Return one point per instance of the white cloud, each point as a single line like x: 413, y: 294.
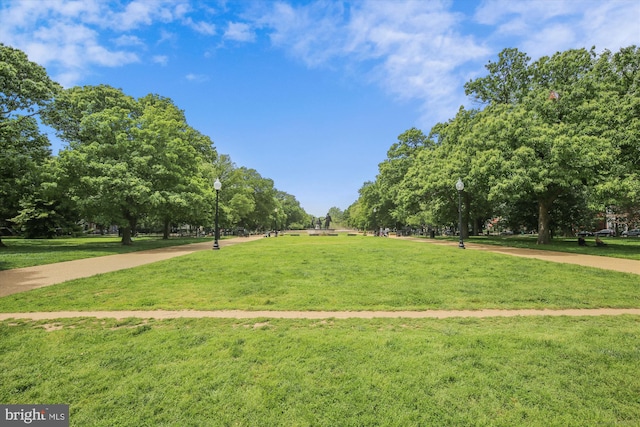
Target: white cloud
x: 240, y: 32
x: 201, y: 27
x: 197, y: 78
x: 160, y: 59
x: 549, y: 40
x: 418, y: 50
x: 545, y: 27
x: 67, y: 36
x: 611, y: 25
x: 128, y: 40
x: 144, y: 13
x: 167, y: 36
x: 412, y: 49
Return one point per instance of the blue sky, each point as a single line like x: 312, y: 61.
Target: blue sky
x: 311, y: 94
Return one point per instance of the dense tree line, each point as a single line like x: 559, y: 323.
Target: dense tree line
x: 126, y: 161
x: 552, y: 144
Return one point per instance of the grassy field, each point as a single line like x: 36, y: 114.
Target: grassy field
x: 338, y: 273
x: 207, y: 372
x: 534, y: 371
x: 29, y: 252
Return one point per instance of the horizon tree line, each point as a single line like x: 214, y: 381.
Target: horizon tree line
x: 552, y: 145
x: 125, y: 161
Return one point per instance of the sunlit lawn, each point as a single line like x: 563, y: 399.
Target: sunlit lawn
x: 339, y: 273
x: 534, y: 371
x: 539, y: 371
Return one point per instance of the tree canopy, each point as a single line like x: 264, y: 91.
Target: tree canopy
x: 555, y: 140
x: 25, y: 88
x: 125, y: 161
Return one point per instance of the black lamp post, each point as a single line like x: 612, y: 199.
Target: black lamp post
x: 460, y: 187
x: 217, y: 186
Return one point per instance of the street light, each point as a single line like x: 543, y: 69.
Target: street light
x: 217, y: 186
x: 460, y: 187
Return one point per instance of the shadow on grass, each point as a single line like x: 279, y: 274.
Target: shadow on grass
x: 20, y: 253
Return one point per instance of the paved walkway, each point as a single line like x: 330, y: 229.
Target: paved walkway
x: 23, y: 279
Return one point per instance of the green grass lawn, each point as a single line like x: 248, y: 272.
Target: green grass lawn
x: 540, y: 371
x: 338, y: 273
x: 29, y: 252
x: 534, y: 371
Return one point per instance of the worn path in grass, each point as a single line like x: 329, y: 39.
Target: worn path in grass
x: 605, y: 263
x: 239, y: 314
x: 23, y: 279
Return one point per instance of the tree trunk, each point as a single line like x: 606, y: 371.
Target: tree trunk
x: 477, y: 226
x: 544, y: 234
x: 126, y: 236
x: 165, y: 230
x: 128, y: 230
x: 2, y: 245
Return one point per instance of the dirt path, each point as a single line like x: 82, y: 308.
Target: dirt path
x: 24, y: 279
x: 238, y: 314
x: 605, y: 263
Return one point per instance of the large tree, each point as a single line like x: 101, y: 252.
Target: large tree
x: 619, y: 102
x: 129, y: 159
x: 25, y: 88
x: 180, y: 185
x: 551, y: 142
x: 400, y: 157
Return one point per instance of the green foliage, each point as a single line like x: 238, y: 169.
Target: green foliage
x: 556, y: 140
x: 127, y: 161
x: 24, y: 88
x: 131, y: 159
x: 508, y: 81
x: 38, y: 218
x: 290, y: 213
x: 24, y: 85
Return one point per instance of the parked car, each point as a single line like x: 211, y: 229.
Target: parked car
x: 585, y: 233
x: 631, y: 233
x: 605, y: 233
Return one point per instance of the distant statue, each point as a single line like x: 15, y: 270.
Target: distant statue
x: 327, y: 221
x: 318, y: 224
